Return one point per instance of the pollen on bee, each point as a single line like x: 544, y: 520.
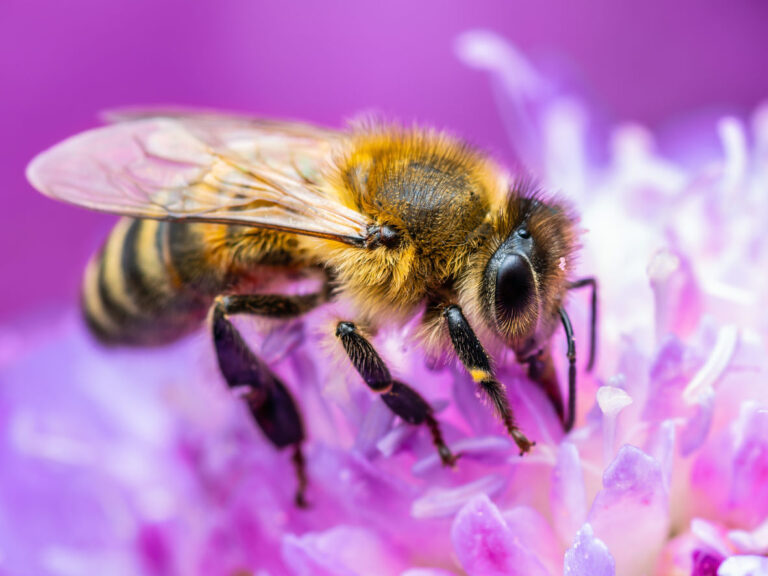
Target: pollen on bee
x: 478, y: 374
x: 561, y: 264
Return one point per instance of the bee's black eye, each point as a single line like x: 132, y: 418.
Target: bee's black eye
x: 523, y: 233
x: 515, y: 285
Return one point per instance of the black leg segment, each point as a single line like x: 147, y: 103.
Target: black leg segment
x: 270, y: 305
x: 571, y: 369
x: 268, y: 399
x: 364, y: 358
x: 476, y: 361
x: 403, y: 400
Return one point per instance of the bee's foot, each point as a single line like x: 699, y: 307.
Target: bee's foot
x: 447, y: 457
x: 300, y: 500
x: 522, y: 442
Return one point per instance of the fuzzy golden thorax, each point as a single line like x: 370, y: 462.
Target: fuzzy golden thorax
x: 434, y: 192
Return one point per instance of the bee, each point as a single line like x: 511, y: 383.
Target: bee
x: 396, y: 221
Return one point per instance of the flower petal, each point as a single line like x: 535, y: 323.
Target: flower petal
x: 340, y: 551
x: 744, y: 566
x: 568, y: 499
x: 445, y: 501
x: 729, y: 478
x: 588, y: 556
x: 427, y: 572
x: 486, y: 546
x: 633, y: 502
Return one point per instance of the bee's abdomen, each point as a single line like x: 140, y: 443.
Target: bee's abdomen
x: 133, y: 293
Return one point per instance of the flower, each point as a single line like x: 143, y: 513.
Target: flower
x: 140, y: 461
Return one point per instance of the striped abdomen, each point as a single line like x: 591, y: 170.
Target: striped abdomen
x: 153, y: 281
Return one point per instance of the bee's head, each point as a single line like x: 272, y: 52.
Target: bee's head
x: 520, y: 274
x: 511, y: 283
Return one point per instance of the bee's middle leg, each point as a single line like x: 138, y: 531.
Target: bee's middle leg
x: 403, y: 400
x: 268, y: 399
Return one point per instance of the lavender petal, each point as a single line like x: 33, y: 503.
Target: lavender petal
x: 633, y: 500
x: 568, y: 500
x: 588, y: 556
x: 744, y: 566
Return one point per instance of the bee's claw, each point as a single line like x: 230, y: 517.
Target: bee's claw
x: 522, y: 442
x: 300, y: 500
x: 447, y: 457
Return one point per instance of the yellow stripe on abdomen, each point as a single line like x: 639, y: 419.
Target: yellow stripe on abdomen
x: 113, y: 282
x: 131, y: 295
x: 97, y: 318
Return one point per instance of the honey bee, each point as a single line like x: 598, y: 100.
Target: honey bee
x: 398, y: 221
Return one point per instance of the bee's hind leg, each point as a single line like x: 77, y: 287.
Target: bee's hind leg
x: 268, y: 399
x: 403, y: 400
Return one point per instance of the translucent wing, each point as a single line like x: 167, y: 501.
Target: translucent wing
x: 203, y: 167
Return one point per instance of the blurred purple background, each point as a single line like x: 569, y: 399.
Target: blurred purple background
x: 63, y: 62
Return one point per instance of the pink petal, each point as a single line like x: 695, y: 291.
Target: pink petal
x: 730, y: 477
x: 340, y: 551
x: 439, y: 502
x: 485, y: 546
x: 375, y: 425
x: 567, y: 493
x: 630, y: 513
x: 535, y: 534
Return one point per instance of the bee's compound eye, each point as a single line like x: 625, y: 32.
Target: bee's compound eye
x: 514, y: 285
x: 523, y: 233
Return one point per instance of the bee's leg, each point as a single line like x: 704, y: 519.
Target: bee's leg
x: 475, y: 360
x: 268, y: 399
x: 403, y: 400
x: 269, y: 305
x: 541, y: 369
x: 592, y: 283
x: 568, y: 424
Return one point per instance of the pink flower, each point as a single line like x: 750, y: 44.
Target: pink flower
x: 140, y: 462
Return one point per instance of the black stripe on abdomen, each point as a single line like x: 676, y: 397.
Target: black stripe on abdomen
x: 137, y: 298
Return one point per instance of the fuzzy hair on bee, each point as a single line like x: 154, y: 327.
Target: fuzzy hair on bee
x: 394, y: 220
x: 431, y: 192
x: 550, y: 226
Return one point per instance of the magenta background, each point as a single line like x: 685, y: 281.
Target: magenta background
x: 63, y: 61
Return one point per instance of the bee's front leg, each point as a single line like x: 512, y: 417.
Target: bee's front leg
x: 476, y: 361
x: 541, y: 369
x: 403, y: 400
x: 268, y: 399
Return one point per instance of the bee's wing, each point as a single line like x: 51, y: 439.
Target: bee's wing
x: 204, y: 167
